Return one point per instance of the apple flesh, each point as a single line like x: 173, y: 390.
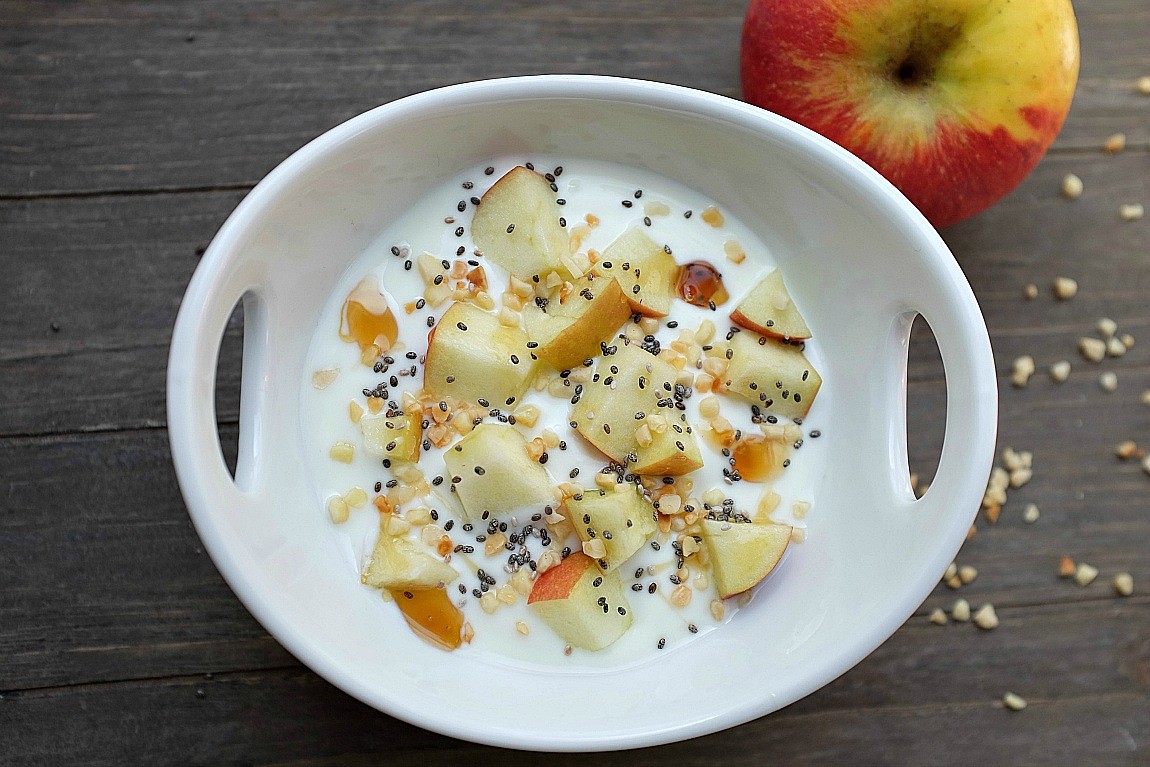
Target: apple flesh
x: 492, y: 472
x: 954, y: 101
x: 399, y: 564
x: 472, y: 357
x: 768, y: 309
x: 516, y: 225
x: 776, y: 376
x: 628, y: 383
x: 571, y: 331
x: 648, y: 273
x: 743, y: 553
x: 395, y: 437
x: 623, y: 520
x: 567, y: 598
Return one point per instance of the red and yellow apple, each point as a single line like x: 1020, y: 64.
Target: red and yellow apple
x: 953, y: 101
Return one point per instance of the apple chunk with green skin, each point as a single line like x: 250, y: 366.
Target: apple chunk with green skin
x: 628, y: 386
x: 768, y: 309
x: 648, y: 274
x: 516, y: 225
x: 774, y: 375
x: 954, y: 101
x: 623, y: 520
x: 403, y: 565
x: 584, y: 606
x: 472, y: 357
x: 743, y: 553
x: 492, y: 472
x: 572, y: 331
x: 395, y: 437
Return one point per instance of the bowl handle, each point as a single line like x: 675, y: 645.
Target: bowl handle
x: 193, y: 359
x: 971, y: 413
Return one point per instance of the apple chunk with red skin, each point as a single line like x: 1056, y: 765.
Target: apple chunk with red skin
x: 743, y: 553
x: 571, y: 331
x: 953, y: 101
x: 567, y: 598
x: 768, y: 309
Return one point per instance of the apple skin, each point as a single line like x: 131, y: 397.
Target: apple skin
x: 953, y: 101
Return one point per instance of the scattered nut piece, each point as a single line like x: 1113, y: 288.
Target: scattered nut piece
x: 1115, y: 347
x: 1030, y: 514
x: 1066, y: 567
x: 985, y: 618
x: 954, y: 583
x: 1107, y: 327
x: 1144, y: 398
x: 1071, y: 186
x: 1143, y: 86
x: 1085, y: 574
x: 967, y: 574
x: 355, y: 498
x: 1124, y: 584
x: 712, y: 216
x: 1146, y: 464
x: 938, y: 617
x: 951, y: 571
x: 960, y: 610
x: 1115, y: 143
x: 1126, y: 450
x: 337, y: 509
x: 344, y: 452
x: 1013, y: 702
x: 718, y: 609
x: 522, y: 628
x: 1093, y: 349
x: 1060, y: 371
x: 321, y: 379
x: 1022, y: 370
x: 1131, y: 211
x: 1020, y: 477
x: 1065, y: 288
x: 1127, y: 340
x: 1108, y: 381
x: 1030, y: 292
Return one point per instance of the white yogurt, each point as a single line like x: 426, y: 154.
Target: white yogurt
x: 589, y: 187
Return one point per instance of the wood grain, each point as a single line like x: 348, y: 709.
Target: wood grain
x: 172, y: 95
x: 927, y: 692
x: 128, y: 133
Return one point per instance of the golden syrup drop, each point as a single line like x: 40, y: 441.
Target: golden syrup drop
x: 758, y: 459
x: 700, y: 284
x: 432, y: 616
x: 366, y: 318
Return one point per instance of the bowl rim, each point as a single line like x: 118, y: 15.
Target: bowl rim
x: 936, y: 258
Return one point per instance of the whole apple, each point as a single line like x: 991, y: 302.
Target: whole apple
x: 953, y: 101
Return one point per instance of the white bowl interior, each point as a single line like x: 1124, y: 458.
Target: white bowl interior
x: 857, y: 258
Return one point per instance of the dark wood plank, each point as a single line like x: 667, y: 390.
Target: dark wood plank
x: 106, y: 579
x: 67, y: 258
x: 929, y: 696
x: 212, y: 94
x: 104, y: 575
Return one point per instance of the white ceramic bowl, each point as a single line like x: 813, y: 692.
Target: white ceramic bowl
x: 861, y: 262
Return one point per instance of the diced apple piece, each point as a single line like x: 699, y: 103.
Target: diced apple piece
x: 493, y: 473
x: 571, y: 331
x: 584, y: 606
x: 743, y: 553
x: 471, y: 356
x: 517, y: 225
x: 393, y: 437
x: 400, y: 564
x: 768, y: 309
x: 622, y: 520
x: 630, y: 385
x: 773, y: 375
x: 648, y: 273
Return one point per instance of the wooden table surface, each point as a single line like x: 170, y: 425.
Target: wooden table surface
x: 129, y: 131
